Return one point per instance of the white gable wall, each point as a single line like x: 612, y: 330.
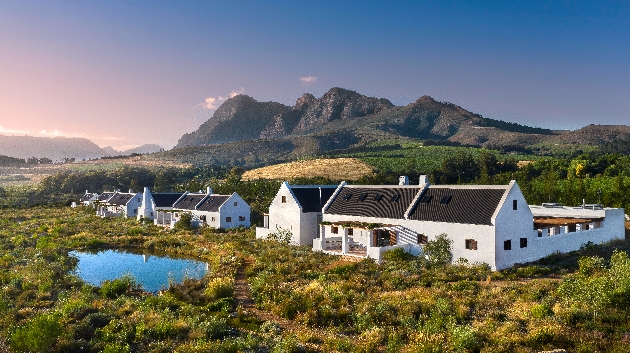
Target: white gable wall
x: 513, y: 225
x: 228, y: 209
x: 287, y: 215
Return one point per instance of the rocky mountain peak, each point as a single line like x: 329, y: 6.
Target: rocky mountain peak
x: 304, y: 101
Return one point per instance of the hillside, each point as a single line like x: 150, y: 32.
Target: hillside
x: 55, y: 148
x: 334, y: 169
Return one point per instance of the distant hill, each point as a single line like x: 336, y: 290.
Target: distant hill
x: 55, y: 148
x: 334, y: 169
x: 58, y: 148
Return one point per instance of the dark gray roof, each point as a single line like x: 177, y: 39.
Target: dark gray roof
x: 309, y: 197
x: 373, y: 201
x: 121, y: 199
x: 213, y: 202
x: 458, y: 205
x: 87, y: 197
x: 166, y: 199
x: 189, y: 201
x: 105, y: 196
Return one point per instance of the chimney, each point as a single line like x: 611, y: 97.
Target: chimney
x: 209, y: 190
x: 130, y: 191
x: 403, y: 180
x: 424, y: 180
x: 86, y: 192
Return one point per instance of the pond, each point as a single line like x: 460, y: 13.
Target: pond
x: 152, y: 272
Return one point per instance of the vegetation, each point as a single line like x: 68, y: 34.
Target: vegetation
x: 312, y: 301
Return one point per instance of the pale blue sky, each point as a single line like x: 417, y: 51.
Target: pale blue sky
x: 124, y: 73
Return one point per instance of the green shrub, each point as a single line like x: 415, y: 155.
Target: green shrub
x: 397, y: 255
x: 185, y: 222
x: 221, y: 287
x: 464, y: 338
x: 215, y: 328
x: 540, y: 311
x: 38, y: 335
x: 117, y: 348
x: 438, y: 252
x: 119, y: 286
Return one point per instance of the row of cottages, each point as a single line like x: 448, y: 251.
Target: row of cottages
x: 118, y: 204
x: 165, y: 209
x: 487, y: 223
x: 206, y: 209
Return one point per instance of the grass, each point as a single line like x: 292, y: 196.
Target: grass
x: 400, y: 306
x: 334, y: 169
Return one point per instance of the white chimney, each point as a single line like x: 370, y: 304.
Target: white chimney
x: 403, y: 180
x: 424, y: 180
x: 209, y: 190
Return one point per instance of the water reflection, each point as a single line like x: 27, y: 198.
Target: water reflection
x: 152, y: 272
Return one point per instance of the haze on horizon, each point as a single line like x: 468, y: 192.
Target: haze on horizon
x: 126, y: 73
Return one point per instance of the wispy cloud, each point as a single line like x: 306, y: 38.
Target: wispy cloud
x: 6, y: 131
x: 212, y: 103
x: 307, y: 80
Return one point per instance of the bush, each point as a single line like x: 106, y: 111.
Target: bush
x: 215, y: 328
x: 185, y: 222
x: 541, y: 311
x: 221, y: 287
x: 438, y: 252
x: 119, y: 286
x: 38, y: 335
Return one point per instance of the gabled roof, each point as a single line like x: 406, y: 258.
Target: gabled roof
x: 189, y: 201
x: 456, y: 204
x: 105, y: 196
x: 311, y: 198
x: 121, y: 198
x: 88, y: 197
x: 213, y: 202
x: 166, y: 199
x: 374, y: 201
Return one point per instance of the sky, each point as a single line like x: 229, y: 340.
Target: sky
x: 127, y: 73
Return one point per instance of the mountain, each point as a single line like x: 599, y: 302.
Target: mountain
x: 343, y: 111
x: 55, y: 148
x: 244, y: 131
x: 144, y: 149
x: 110, y: 151
x: 243, y: 118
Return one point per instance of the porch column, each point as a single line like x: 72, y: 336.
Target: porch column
x: 344, y: 241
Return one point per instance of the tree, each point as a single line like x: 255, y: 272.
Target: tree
x: 185, y: 222
x: 281, y: 235
x: 460, y: 168
x: 438, y: 252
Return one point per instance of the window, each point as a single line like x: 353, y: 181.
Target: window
x: 334, y: 230
x: 514, y: 205
x: 362, y: 197
x: 228, y: 219
x: 350, y: 231
x: 135, y: 211
x: 241, y: 218
x: 394, y: 198
x: 378, y: 197
x: 507, y: 245
x: 284, y: 199
x: 426, y: 199
x: 540, y: 233
x: 347, y: 197
x: 445, y: 200
x: 213, y: 219
x: 235, y: 203
x: 585, y: 226
x: 202, y: 218
x: 523, y: 243
x: 471, y: 244
x: 571, y: 228
x: 422, y: 239
x: 138, y: 199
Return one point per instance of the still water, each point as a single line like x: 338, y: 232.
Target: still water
x: 152, y: 272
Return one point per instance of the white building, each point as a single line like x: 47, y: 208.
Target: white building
x: 208, y: 209
x: 114, y: 204
x: 298, y: 209
x: 159, y: 201
x: 487, y: 223
x: 88, y: 198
